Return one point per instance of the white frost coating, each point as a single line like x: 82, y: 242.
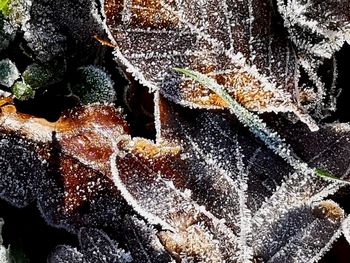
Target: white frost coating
x: 311, y: 70
x: 346, y: 228
x: 5, y: 93
x: 225, y: 174
x: 334, y: 91
x: 126, y: 12
x: 217, y: 222
x: 326, y: 247
x: 295, y: 14
x: 157, y: 121
x: 30, y: 128
x: 267, y: 83
x: 331, y: 188
x: 4, y: 255
x: 302, y: 250
x: 20, y: 13
x: 340, y: 127
x: 244, y: 244
x: 135, y: 72
x: 149, y: 217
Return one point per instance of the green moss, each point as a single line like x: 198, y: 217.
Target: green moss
x: 4, y: 7
x: 22, y: 91
x: 94, y: 85
x: 38, y: 76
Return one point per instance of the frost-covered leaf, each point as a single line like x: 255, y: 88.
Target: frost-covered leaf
x: 240, y: 44
x: 77, y: 195
x: 269, y: 185
x: 98, y: 247
x: 66, y: 254
x: 205, y: 190
x: 143, y: 242
x: 317, y: 27
x: 208, y: 191
x: 95, y: 247
x: 19, y: 165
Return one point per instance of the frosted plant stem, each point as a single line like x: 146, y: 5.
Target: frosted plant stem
x: 270, y: 138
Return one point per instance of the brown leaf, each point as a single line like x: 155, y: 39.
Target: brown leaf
x: 239, y: 44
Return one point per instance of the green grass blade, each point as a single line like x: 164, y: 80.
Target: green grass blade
x: 4, y: 7
x: 270, y: 138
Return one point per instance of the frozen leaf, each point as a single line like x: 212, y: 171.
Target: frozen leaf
x: 239, y: 44
x: 52, y: 29
x: 208, y: 191
x: 277, y: 204
x: 98, y: 247
x: 77, y: 195
x: 95, y: 247
x: 66, y: 254
x: 143, y: 242
x: 317, y: 27
x: 302, y: 234
x: 19, y: 165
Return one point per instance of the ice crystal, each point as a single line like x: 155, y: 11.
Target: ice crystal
x: 317, y: 27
